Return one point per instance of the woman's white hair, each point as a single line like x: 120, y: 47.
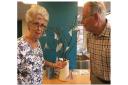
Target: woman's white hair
x: 34, y: 10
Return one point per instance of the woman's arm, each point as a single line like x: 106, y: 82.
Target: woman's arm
x: 58, y: 64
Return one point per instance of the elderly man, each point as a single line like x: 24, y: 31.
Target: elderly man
x: 98, y: 41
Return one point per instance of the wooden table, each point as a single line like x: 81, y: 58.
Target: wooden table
x: 79, y: 77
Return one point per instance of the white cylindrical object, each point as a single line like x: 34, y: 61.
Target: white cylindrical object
x: 64, y: 73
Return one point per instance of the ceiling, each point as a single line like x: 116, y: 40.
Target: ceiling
x: 21, y: 10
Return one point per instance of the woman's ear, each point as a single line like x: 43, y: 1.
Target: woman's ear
x: 28, y: 26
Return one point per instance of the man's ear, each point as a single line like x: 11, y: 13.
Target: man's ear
x: 96, y: 16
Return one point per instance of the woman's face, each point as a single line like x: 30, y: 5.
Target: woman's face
x: 37, y: 26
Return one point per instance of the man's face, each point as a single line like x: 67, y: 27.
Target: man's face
x: 88, y: 19
x: 37, y: 26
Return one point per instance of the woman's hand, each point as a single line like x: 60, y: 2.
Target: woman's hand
x: 60, y: 64
x: 57, y: 65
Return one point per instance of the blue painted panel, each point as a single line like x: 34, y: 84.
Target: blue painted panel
x: 62, y: 19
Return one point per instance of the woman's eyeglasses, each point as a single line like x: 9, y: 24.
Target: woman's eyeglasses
x: 38, y: 25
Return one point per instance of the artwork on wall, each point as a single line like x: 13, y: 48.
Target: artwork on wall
x: 60, y: 39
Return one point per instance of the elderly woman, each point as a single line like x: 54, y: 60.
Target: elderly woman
x: 29, y: 53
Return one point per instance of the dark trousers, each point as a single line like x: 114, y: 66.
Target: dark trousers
x: 95, y: 80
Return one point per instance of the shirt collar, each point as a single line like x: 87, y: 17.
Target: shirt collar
x: 106, y: 31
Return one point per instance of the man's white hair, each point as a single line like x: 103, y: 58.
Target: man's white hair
x: 97, y: 7
x: 34, y: 10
